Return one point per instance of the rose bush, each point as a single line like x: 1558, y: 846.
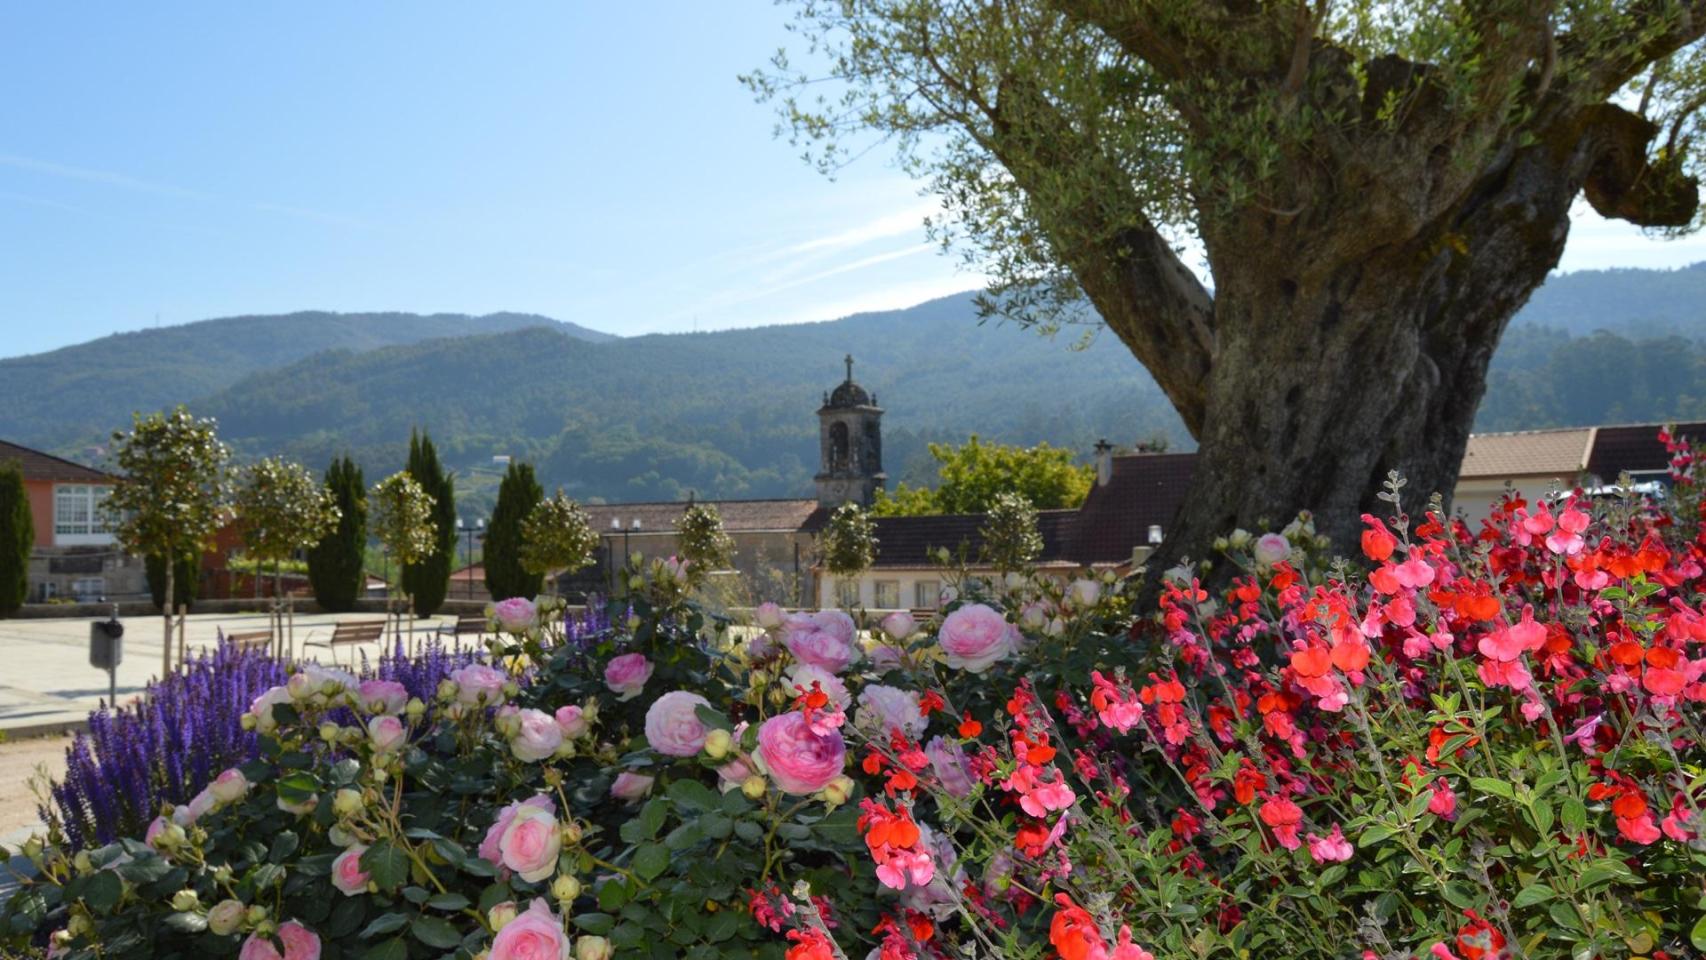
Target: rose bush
x: 1463, y: 745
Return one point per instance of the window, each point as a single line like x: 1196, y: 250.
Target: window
x: 847, y: 593
x: 926, y: 594
x: 89, y: 589
x: 888, y: 594
x: 77, y: 514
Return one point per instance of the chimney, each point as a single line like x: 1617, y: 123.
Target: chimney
x: 1104, y: 462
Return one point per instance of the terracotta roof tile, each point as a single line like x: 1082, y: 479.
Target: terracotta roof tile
x: 45, y: 466
x: 1551, y: 453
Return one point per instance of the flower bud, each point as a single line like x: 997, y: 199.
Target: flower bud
x: 225, y: 917
x: 82, y: 863
x: 634, y: 621
x: 247, y: 721
x: 185, y: 900
x: 778, y: 696
x: 717, y: 744
x: 571, y: 833
x: 329, y: 732
x: 222, y: 873
x: 347, y: 802
x: 753, y: 787
x: 299, y: 686
x: 447, y: 689
x: 592, y: 948
x: 415, y: 708
x: 565, y: 888
x: 501, y: 914
x: 838, y: 790
x: 80, y: 925
x: 256, y: 914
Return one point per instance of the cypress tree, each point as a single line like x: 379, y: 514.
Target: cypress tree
x: 186, y: 579
x: 17, y: 539
x: 429, y: 581
x: 517, y: 496
x: 336, y: 565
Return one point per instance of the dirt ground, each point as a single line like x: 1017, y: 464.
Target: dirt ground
x: 19, y: 760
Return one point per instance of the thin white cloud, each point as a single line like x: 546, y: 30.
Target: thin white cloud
x: 89, y: 175
x: 37, y: 201
x: 897, y: 224
x: 318, y: 216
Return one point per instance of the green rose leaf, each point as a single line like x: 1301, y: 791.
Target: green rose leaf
x: 387, y: 864
x: 448, y: 901
x: 103, y: 890
x: 651, y: 860
x: 385, y: 923
x: 187, y: 922
x: 392, y: 949
x: 1697, y: 936
x: 435, y: 932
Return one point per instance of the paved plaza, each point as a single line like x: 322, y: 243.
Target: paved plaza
x: 46, y: 682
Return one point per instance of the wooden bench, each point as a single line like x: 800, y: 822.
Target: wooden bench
x: 350, y: 633
x: 250, y: 641
x: 468, y: 624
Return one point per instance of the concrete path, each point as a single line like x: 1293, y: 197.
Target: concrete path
x: 47, y: 685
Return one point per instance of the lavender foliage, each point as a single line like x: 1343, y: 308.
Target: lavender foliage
x: 186, y: 729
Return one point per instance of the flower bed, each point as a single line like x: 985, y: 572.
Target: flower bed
x: 1488, y: 745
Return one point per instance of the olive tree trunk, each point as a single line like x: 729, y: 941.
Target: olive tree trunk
x: 1335, y: 351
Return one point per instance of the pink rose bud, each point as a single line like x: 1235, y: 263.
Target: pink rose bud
x: 347, y: 874
x: 572, y: 721
x: 387, y: 733
x: 631, y: 786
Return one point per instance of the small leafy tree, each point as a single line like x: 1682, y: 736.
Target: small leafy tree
x: 848, y: 544
x: 1010, y: 536
x: 703, y: 542
x: 972, y: 475
x: 173, y: 493
x: 283, y: 510
x: 428, y: 581
x: 518, y: 494
x: 337, y: 563
x: 17, y: 539
x: 557, y: 534
x: 402, y: 519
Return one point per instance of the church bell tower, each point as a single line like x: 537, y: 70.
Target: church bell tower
x: 850, y: 435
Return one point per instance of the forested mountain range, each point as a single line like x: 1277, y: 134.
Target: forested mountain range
x: 732, y: 413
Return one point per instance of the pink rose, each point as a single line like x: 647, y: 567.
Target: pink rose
x: 383, y: 696
x: 261, y: 708
x: 386, y: 733
x: 823, y: 639
x: 626, y: 675
x: 531, y: 842
x: 1271, y: 548
x: 975, y: 636
x: 534, y: 935
x: 156, y: 830
x: 230, y: 786
x: 537, y: 736
x: 899, y: 625
x: 631, y: 786
x: 347, y: 874
x: 300, y: 943
x: 769, y: 616
x: 478, y: 685
x: 800, y: 761
x: 572, y: 722
x: 515, y: 615
x: 490, y: 850
x: 883, y: 708
x: 198, y: 807
x: 673, y: 727
x: 801, y: 676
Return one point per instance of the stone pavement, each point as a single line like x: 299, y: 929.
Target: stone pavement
x: 46, y: 683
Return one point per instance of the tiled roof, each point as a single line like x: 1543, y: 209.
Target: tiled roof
x: 45, y: 466
x: 1635, y: 448
x: 739, y: 516
x: 909, y: 542
x: 1143, y: 490
x: 1549, y: 453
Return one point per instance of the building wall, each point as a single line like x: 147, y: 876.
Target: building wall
x: 1474, y: 497
x: 40, y: 493
x: 906, y: 584
x: 773, y: 565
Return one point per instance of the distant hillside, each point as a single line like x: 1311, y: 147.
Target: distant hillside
x: 726, y: 414
x: 1641, y: 303
x: 76, y: 395
x: 732, y: 413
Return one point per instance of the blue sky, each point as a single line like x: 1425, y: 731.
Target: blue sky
x: 593, y: 162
